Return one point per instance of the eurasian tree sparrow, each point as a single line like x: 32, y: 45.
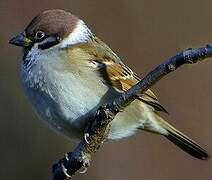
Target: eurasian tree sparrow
x: 67, y: 73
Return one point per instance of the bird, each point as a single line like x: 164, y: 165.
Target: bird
x: 67, y: 73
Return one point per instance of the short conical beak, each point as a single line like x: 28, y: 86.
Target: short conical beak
x: 20, y: 40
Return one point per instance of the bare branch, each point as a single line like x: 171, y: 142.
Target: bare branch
x: 100, y: 124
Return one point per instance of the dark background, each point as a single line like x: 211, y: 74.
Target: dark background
x: 143, y: 33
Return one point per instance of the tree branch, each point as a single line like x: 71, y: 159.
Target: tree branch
x: 99, y: 126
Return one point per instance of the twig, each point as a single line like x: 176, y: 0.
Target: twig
x: 99, y: 125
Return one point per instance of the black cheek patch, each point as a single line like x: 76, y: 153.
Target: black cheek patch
x: 49, y: 42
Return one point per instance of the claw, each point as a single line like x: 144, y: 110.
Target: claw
x: 86, y: 135
x: 65, y: 171
x: 66, y: 157
x: 84, y: 170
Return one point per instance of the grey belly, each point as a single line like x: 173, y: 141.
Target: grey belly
x: 67, y: 113
x: 124, y: 124
x: 50, y: 112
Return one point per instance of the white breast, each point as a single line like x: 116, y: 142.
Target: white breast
x: 66, y: 100
x: 61, y: 98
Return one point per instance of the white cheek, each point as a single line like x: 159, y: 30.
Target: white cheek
x: 80, y: 34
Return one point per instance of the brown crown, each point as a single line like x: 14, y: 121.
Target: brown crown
x: 53, y: 22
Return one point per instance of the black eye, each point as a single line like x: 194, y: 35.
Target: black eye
x: 39, y: 35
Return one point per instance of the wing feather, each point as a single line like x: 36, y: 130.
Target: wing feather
x: 120, y: 76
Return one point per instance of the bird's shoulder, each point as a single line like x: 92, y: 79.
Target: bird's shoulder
x: 114, y: 72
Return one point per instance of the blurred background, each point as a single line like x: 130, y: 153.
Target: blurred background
x: 143, y: 33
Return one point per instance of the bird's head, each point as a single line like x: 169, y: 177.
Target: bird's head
x: 53, y: 28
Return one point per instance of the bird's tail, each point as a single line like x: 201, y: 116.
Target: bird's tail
x: 181, y: 140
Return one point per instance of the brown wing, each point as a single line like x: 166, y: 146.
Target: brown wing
x: 115, y: 73
x: 123, y: 78
x: 118, y: 75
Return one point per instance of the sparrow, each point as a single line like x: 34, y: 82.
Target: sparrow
x: 67, y: 73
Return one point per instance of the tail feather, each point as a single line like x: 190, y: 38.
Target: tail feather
x: 156, y: 124
x: 184, y: 142
x: 187, y: 145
